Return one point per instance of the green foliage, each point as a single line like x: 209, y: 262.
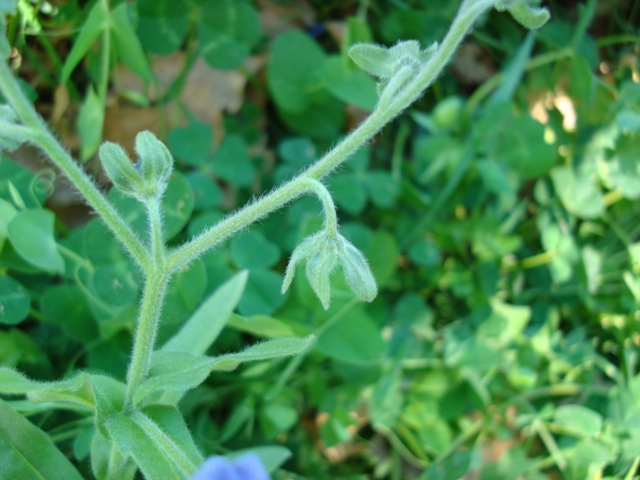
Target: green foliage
x: 501, y: 231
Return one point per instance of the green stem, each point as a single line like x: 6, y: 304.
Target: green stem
x: 146, y: 330
x: 155, y: 227
x: 42, y: 138
x: 384, y: 113
x: 328, y: 207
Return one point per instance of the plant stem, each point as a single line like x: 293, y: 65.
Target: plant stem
x: 384, y: 113
x: 155, y: 228
x: 42, y: 138
x: 146, y: 330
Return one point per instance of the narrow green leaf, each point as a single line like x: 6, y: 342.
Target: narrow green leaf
x: 128, y: 46
x: 175, y: 372
x: 75, y: 391
x: 261, y: 326
x: 280, y: 347
x: 26, y: 452
x: 31, y: 235
x: 132, y: 440
x: 97, y: 21
x: 170, y: 421
x: 204, y: 326
x: 89, y: 124
x: 180, y: 371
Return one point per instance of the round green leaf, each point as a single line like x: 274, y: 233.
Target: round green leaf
x: 348, y: 83
x: 233, y: 163
x: 162, y: 25
x: 31, y: 235
x: 67, y: 306
x: 252, y: 250
x: 262, y: 293
x: 191, y: 144
x: 7, y: 212
x: 206, y: 192
x: 292, y: 70
x: 117, y: 283
x: 227, y: 31
x: 14, y: 301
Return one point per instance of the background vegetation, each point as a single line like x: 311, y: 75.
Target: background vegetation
x: 500, y: 216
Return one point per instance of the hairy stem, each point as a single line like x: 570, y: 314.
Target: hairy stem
x: 155, y: 228
x: 384, y: 113
x: 147, y: 327
x: 42, y: 137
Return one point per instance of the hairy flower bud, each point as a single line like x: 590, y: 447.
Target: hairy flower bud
x: 145, y: 179
x: 322, y: 252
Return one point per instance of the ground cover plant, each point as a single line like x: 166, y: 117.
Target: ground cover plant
x: 474, y: 314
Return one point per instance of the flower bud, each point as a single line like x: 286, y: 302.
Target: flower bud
x: 120, y: 170
x: 145, y: 179
x: 357, y: 273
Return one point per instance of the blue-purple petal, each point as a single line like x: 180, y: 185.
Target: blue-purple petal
x: 247, y: 467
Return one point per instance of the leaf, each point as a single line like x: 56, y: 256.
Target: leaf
x: 260, y: 326
x: 233, y: 163
x: 184, y: 294
x: 162, y: 25
x: 373, y: 59
x: 192, y: 144
x: 176, y: 207
x: 281, y: 347
x: 97, y: 21
x: 127, y: 43
x: 227, y: 30
x: 109, y: 395
x: 251, y: 249
x: 207, y: 194
x: 67, y: 306
x: 175, y: 372
x: 262, y: 294
x: 7, y: 212
x: 27, y: 452
x: 355, y: 339
x: 75, y: 391
x: 578, y: 193
x: 15, y: 301
x: 348, y: 84
x: 580, y: 420
x: 170, y: 421
x: 203, y: 327
x: 89, y: 124
x: 31, y: 235
x: 382, y: 188
x: 292, y: 71
x: 157, y: 455
x: 180, y: 371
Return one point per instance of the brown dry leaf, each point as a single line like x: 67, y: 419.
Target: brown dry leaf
x: 61, y: 103
x: 472, y: 65
x: 122, y: 124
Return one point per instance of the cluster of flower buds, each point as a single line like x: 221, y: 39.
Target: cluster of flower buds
x: 394, y: 66
x: 145, y: 179
x: 324, y: 251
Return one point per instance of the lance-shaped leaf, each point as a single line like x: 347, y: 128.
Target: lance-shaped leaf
x: 75, y: 393
x: 181, y: 371
x: 528, y: 16
x: 27, y: 452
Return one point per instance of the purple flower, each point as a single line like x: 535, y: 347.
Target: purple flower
x: 247, y: 467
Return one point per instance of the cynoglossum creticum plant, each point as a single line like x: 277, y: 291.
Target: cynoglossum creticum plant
x: 131, y: 432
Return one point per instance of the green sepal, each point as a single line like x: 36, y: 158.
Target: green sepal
x: 528, y: 16
x: 146, y: 179
x: 156, y: 162
x: 120, y: 170
x: 357, y: 273
x: 373, y: 59
x: 322, y: 252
